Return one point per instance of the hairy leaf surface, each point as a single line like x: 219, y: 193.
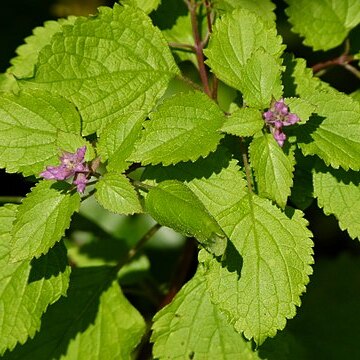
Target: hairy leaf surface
x: 236, y: 38
x: 23, y: 64
x: 324, y: 24
x: 26, y: 288
x: 244, y: 122
x: 117, y: 141
x: 33, y: 125
x: 115, y: 193
x: 184, y: 127
x: 107, y: 65
x: 273, y: 168
x: 338, y: 193
x: 173, y: 204
x: 192, y: 316
x: 42, y: 219
x: 95, y: 321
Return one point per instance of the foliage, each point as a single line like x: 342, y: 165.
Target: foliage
x: 200, y: 128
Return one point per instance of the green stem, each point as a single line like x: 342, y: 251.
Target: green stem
x: 141, y: 185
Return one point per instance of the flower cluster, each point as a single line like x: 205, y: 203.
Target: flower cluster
x: 278, y: 116
x: 71, y: 165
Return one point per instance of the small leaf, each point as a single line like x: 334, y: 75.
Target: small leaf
x: 324, y: 24
x: 338, y: 193
x: 193, y: 317
x: 107, y: 65
x: 244, y: 122
x: 183, y: 128
x: 94, y: 321
x: 235, y: 39
x: 117, y: 141
x: 273, y: 168
x: 32, y: 126
x: 115, y: 193
x: 23, y: 65
x: 173, y: 204
x: 259, y: 288
x: 42, y: 219
x: 26, y: 288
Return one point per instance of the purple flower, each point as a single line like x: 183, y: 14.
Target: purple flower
x: 72, y: 164
x: 278, y: 116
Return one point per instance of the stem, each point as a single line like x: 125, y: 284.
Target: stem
x: 11, y: 199
x: 352, y: 69
x: 342, y: 60
x: 190, y: 82
x: 91, y: 193
x: 198, y: 46
x: 182, y: 46
x: 246, y: 165
x: 134, y: 250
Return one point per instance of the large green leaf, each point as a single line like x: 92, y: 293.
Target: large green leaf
x: 259, y: 283
x: 241, y: 44
x: 117, y: 141
x: 26, y: 288
x: 23, y: 64
x: 173, y: 204
x: 42, y: 219
x: 33, y: 126
x: 260, y: 289
x: 192, y: 327
x: 184, y: 127
x: 338, y: 193
x: 273, y: 168
x: 107, y: 65
x: 115, y: 193
x: 263, y: 8
x: 95, y: 321
x: 324, y: 24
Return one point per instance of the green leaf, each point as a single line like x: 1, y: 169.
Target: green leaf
x: 173, y: 204
x: 117, y: 141
x: 184, y: 127
x: 324, y: 24
x: 33, y: 125
x: 26, y: 288
x: 115, y: 193
x: 145, y: 5
x: 8, y: 83
x: 244, y: 122
x: 338, y: 193
x: 107, y: 65
x: 334, y: 133
x: 261, y: 80
x: 273, y: 168
x: 42, y: 219
x: 23, y: 65
x: 94, y: 321
x: 263, y: 8
x: 259, y: 290
x: 192, y: 327
x: 235, y: 39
